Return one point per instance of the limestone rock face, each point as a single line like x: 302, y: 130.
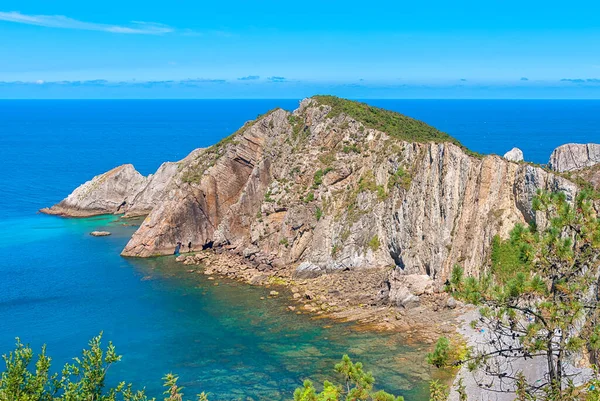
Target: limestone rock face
x: 574, y: 156
x: 122, y: 190
x: 216, y: 194
x: 316, y: 190
x: 514, y: 155
x: 153, y: 190
x: 103, y: 194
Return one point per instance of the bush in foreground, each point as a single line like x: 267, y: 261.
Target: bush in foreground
x: 84, y: 380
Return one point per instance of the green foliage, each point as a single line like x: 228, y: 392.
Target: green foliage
x: 309, y: 197
x: 318, y: 213
x: 318, y: 176
x: 392, y: 123
x: 335, y: 249
x: 440, y: 356
x: 299, y: 129
x: 374, y: 243
x: 82, y: 380
x: 351, y: 148
x: 327, y: 158
x: 268, y: 197
x: 437, y: 391
x: 192, y: 176
x: 367, y: 182
x: 401, y: 177
x: 537, y: 300
x: 356, y: 385
x: 461, y: 389
x: 284, y: 241
x: 506, y: 258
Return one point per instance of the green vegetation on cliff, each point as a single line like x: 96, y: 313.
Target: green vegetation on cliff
x: 394, y: 124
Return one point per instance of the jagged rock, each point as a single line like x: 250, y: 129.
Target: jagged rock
x: 104, y: 194
x: 310, y: 186
x: 100, y: 233
x: 514, y: 155
x: 250, y: 251
x: 574, y: 156
x: 404, y: 287
x: 308, y: 270
x: 263, y: 267
x: 405, y: 299
x: 153, y: 191
x: 121, y: 190
x: 451, y: 303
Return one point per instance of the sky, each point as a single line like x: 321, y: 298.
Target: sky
x: 278, y: 49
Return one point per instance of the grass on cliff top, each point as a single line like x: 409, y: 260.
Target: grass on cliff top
x: 394, y: 124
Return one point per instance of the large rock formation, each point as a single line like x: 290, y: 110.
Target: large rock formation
x: 514, y: 155
x: 339, y: 185
x: 574, y: 156
x: 103, y: 194
x: 121, y: 190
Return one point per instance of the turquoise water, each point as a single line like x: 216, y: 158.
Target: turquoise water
x: 60, y: 286
x: 66, y: 286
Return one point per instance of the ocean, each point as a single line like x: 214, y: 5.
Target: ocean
x: 60, y: 286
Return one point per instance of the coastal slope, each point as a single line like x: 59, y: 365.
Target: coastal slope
x: 336, y: 185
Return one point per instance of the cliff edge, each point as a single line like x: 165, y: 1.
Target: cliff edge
x: 333, y: 185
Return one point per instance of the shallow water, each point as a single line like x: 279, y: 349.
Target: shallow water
x: 221, y: 339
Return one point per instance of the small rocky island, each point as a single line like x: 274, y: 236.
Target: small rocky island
x: 100, y: 233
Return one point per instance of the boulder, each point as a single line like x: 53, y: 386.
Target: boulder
x: 574, y: 156
x: 308, y: 270
x: 405, y: 299
x: 451, y: 303
x: 514, y: 155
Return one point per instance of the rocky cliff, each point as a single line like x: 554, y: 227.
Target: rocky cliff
x: 121, y: 190
x: 334, y: 185
x: 574, y: 156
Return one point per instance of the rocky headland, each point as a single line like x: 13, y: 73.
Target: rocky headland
x: 362, y: 207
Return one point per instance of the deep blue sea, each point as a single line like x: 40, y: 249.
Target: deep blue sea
x: 60, y: 286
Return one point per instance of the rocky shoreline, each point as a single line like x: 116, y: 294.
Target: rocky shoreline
x: 349, y: 296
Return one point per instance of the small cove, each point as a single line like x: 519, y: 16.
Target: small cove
x: 222, y: 338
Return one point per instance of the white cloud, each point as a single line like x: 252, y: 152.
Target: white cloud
x: 60, y: 21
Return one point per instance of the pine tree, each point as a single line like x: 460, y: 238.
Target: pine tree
x: 548, y: 307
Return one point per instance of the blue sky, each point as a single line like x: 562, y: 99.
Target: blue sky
x: 264, y: 48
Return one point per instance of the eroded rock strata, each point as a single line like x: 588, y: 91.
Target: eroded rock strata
x: 333, y: 186
x: 574, y: 156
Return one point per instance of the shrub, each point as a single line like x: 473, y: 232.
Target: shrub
x: 374, y: 243
x: 440, y: 356
x: 318, y: 213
